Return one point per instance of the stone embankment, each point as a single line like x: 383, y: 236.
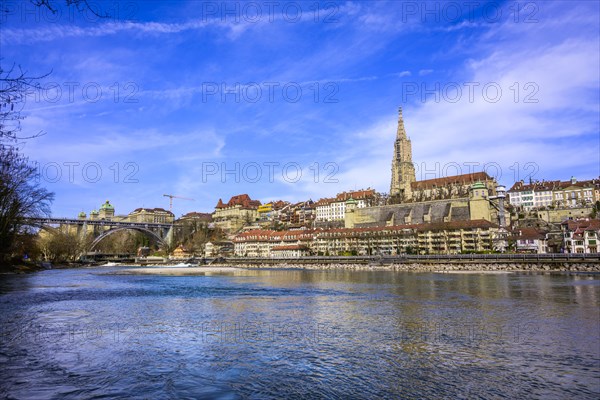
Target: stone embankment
x: 436, y: 267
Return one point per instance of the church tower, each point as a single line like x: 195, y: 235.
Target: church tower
x: 403, y: 170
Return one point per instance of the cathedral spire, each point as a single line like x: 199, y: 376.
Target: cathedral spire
x: 401, y: 132
x: 403, y: 170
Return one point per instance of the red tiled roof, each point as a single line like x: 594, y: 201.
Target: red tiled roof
x: 528, y: 234
x: 456, y: 179
x: 582, y: 225
x: 554, y: 185
x: 356, y: 195
x: 324, y: 202
x: 343, y: 196
x: 279, y: 204
x: 303, y: 235
x: 239, y: 200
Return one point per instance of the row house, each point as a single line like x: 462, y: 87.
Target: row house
x: 261, y: 242
x: 286, y: 213
x: 454, y: 237
x: 389, y: 240
x: 529, y: 240
x: 290, y: 251
x: 431, y: 238
x: 273, y: 211
x: 302, y: 213
x: 573, y: 193
x: 581, y: 236
x: 334, y: 209
x: 561, y: 194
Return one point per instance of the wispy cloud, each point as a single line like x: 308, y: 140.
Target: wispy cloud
x: 56, y: 32
x: 370, y: 52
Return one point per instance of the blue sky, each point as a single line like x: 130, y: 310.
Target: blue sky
x: 206, y: 100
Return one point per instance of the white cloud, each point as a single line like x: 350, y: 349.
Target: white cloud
x: 552, y: 138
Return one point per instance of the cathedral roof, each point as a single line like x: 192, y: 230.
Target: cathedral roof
x: 463, y: 179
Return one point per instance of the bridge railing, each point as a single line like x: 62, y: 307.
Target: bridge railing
x: 71, y: 221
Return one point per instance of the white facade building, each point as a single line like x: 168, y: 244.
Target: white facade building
x: 560, y: 194
x: 334, y: 209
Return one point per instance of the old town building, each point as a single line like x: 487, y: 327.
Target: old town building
x: 240, y: 210
x: 334, y: 209
x: 480, y: 202
x: 197, y: 217
x: 529, y: 240
x: 151, y: 215
x: 555, y: 194
x: 581, y: 236
x: 432, y: 238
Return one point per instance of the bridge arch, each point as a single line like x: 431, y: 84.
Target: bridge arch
x: 145, y: 231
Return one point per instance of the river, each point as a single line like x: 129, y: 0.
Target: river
x: 90, y: 333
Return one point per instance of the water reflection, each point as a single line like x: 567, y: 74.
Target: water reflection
x: 297, y: 333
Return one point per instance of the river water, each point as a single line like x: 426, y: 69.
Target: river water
x: 90, y: 333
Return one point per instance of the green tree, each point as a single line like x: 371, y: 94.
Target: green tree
x: 595, y: 210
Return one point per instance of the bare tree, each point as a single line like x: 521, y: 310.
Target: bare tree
x: 20, y: 197
x: 81, y: 5
x: 16, y: 83
x: 15, y: 86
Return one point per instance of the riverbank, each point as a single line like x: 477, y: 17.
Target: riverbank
x: 241, y: 264
x: 433, y: 267
x: 29, y: 268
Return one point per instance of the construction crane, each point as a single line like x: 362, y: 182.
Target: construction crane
x: 171, y: 197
